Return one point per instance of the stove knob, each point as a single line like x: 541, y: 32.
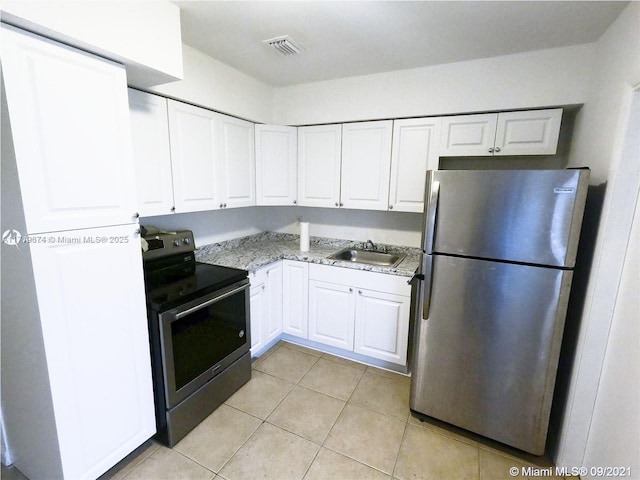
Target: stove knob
x: 186, y: 241
x: 241, y: 334
x: 176, y: 243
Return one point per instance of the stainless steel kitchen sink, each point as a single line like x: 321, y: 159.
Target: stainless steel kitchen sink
x: 370, y: 257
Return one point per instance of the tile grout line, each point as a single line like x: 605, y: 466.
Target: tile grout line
x: 265, y: 420
x: 395, y: 464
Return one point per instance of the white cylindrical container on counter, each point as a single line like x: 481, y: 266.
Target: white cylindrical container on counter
x: 304, y: 236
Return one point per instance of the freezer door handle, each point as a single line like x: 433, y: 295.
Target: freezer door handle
x: 431, y: 212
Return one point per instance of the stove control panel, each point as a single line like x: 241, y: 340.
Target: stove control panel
x: 162, y: 244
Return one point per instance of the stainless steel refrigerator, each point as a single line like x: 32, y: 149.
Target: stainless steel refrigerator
x: 500, y: 246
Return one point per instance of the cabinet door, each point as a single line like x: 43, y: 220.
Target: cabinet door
x: 416, y: 145
x: 382, y: 326
x: 237, y: 167
x: 273, y: 326
x: 71, y: 133
x: 533, y: 132
x: 151, y: 154
x: 193, y: 134
x: 468, y: 135
x: 331, y: 314
x: 295, y: 295
x: 366, y: 160
x: 276, y: 165
x: 258, y: 302
x: 319, y: 150
x: 94, y: 326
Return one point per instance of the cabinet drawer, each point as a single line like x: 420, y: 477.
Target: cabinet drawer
x: 381, y: 282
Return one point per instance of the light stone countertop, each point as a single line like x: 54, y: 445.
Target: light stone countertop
x: 252, y: 252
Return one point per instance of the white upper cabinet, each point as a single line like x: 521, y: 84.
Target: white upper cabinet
x: 276, y: 165
x: 319, y: 150
x: 236, y: 161
x: 468, y: 135
x: 193, y: 134
x: 416, y: 145
x: 533, y: 132
x: 72, y: 137
x: 151, y: 153
x: 366, y: 161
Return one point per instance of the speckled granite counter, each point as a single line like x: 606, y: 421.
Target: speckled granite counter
x: 250, y: 253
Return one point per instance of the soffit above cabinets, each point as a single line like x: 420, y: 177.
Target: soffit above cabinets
x: 349, y: 38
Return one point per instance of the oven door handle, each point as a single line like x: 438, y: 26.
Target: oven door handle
x: 209, y: 302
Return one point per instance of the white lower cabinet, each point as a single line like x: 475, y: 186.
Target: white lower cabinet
x: 295, y: 298
x: 93, y: 328
x: 331, y: 314
x: 258, y: 308
x: 367, y: 312
x: 266, y: 306
x: 382, y: 326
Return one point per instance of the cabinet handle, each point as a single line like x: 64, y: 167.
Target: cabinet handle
x: 491, y: 150
x: 173, y: 209
x: 137, y: 232
x: 390, y: 207
x: 267, y: 273
x: 360, y: 292
x: 262, y: 287
x: 497, y: 150
x: 341, y: 204
x: 337, y: 205
x: 222, y: 205
x: 295, y: 201
x: 351, y: 290
x: 136, y: 215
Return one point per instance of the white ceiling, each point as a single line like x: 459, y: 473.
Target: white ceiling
x: 347, y: 38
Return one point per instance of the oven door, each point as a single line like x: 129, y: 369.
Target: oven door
x: 201, y: 338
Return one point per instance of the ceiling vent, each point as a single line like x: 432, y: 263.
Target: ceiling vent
x: 285, y: 45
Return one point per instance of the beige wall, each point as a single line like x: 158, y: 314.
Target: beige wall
x: 615, y: 68
x: 535, y: 79
x: 212, y: 84
x: 144, y: 36
x: 604, y: 137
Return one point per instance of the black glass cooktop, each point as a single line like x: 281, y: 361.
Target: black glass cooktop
x: 173, y: 285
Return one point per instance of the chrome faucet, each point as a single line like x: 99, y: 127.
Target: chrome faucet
x: 369, y: 245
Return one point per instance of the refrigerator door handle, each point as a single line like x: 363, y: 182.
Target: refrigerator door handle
x: 432, y: 195
x: 427, y: 268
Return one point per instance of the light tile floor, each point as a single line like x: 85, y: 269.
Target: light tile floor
x: 313, y: 416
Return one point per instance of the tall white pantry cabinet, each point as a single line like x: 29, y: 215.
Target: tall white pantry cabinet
x: 76, y: 376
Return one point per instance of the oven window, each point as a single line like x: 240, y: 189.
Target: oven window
x: 206, y: 336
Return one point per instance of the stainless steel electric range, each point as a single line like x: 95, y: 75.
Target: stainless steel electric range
x: 199, y: 329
